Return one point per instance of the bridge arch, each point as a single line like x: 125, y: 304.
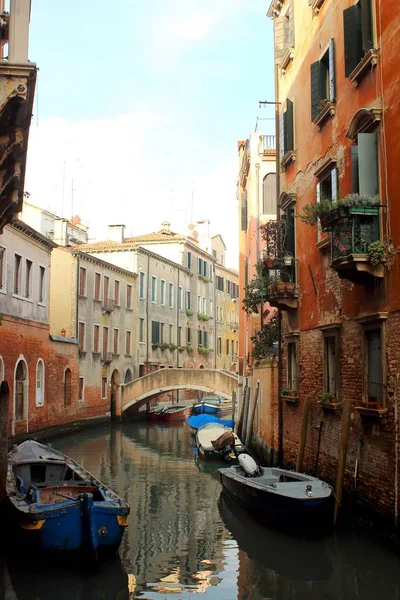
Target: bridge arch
x: 212, y: 381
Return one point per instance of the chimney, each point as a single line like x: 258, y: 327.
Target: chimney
x: 165, y: 227
x: 116, y: 233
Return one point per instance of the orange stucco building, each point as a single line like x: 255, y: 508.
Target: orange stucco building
x: 337, y: 76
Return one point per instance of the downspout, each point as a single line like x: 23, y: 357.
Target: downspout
x: 278, y: 175
x: 214, y: 309
x: 177, y: 322
x: 76, y: 296
x: 258, y: 211
x: 147, y: 313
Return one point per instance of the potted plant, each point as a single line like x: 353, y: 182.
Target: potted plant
x: 287, y: 260
x: 189, y: 312
x: 281, y: 287
x: 326, y: 397
x: 376, y: 252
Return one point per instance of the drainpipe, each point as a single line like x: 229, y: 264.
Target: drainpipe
x: 76, y: 296
x: 214, y: 309
x: 278, y: 175
x: 147, y: 313
x: 258, y: 211
x: 177, y: 323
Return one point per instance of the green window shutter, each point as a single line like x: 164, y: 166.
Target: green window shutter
x: 244, y: 211
x: 155, y: 332
x: 366, y: 25
x: 332, y: 91
x: 315, y: 89
x: 282, y: 134
x: 334, y: 184
x: 205, y: 339
x: 289, y: 125
x: 352, y: 38
x: 354, y: 170
x: 368, y: 163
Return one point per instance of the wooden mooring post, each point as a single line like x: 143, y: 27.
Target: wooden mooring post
x: 344, y: 439
x: 303, y: 435
x: 4, y: 400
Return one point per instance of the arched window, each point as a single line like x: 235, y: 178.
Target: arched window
x: 1, y: 370
x: 128, y: 376
x: 269, y: 194
x: 21, y: 391
x: 40, y: 383
x: 67, y: 387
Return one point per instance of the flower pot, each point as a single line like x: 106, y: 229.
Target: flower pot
x: 287, y: 260
x: 268, y: 262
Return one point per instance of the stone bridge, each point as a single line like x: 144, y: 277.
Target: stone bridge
x: 135, y: 394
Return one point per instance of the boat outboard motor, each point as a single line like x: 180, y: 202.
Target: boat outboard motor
x: 249, y: 465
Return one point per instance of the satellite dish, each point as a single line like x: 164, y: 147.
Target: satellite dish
x: 195, y: 234
x: 191, y: 226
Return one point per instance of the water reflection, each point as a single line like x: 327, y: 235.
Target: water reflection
x: 186, y: 538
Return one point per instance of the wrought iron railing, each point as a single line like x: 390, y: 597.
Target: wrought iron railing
x: 354, y: 233
x: 269, y: 143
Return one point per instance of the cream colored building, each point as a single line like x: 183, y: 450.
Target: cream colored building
x: 63, y: 232
x: 95, y: 302
x: 226, y: 309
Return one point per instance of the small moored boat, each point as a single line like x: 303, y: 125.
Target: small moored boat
x: 155, y: 414
x: 208, y: 405
x: 197, y: 421
x: 218, y: 441
x: 176, y: 412
x: 277, y: 496
x: 55, y: 505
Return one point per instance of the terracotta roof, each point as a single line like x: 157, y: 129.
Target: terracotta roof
x: 157, y: 237
x: 104, y: 245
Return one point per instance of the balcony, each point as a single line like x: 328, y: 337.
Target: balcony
x: 353, y: 232
x: 283, y: 294
x: 268, y: 145
x: 234, y: 326
x: 107, y: 358
x: 108, y: 305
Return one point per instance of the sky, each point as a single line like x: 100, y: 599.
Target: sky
x: 139, y: 106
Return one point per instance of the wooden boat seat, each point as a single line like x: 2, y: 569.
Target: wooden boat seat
x: 59, y: 493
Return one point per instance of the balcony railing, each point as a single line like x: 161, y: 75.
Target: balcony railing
x: 282, y: 290
x: 107, y: 357
x: 108, y: 305
x: 269, y: 144
x: 352, y: 235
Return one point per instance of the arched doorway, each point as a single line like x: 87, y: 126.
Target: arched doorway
x: 115, y: 395
x: 67, y: 387
x: 128, y: 376
x: 20, y: 392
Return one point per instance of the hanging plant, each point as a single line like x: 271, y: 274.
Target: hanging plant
x: 376, y: 251
x: 255, y: 291
x: 264, y: 341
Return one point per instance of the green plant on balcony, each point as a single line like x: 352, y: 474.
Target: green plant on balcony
x: 189, y: 312
x: 156, y: 345
x: 376, y: 252
x: 190, y: 272
x: 328, y: 210
x: 203, y: 317
x: 289, y: 392
x: 273, y: 234
x: 189, y: 348
x: 317, y: 210
x: 181, y: 348
x: 204, y: 278
x: 357, y: 200
x: 203, y: 350
x: 172, y: 347
x: 263, y: 341
x: 255, y: 291
x: 164, y: 346
x: 326, y: 397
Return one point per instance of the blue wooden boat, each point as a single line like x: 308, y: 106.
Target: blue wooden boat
x: 55, y: 505
x: 208, y: 405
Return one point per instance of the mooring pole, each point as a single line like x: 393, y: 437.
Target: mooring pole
x: 303, y: 435
x: 344, y: 438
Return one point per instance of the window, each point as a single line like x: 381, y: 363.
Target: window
x: 364, y: 165
x: 40, y: 383
x: 204, y: 306
x: 171, y: 295
x: 292, y: 365
x: 142, y: 277
x: 105, y: 341
x: 96, y: 338
x: 162, y: 333
x: 330, y: 364
x: 180, y: 298
x: 128, y: 342
x: 227, y: 347
x: 202, y: 267
x: 162, y: 291
x: 287, y: 129
x: 97, y: 284
x: 373, y: 383
x: 199, y: 304
x: 219, y: 346
x: 116, y: 292
x: 205, y: 339
x: 220, y: 283
x: 243, y: 211
x: 81, y: 388
x: 103, y: 388
x: 42, y: 272
x: 28, y: 278
x: 2, y: 268
x: 17, y: 274
x: 155, y: 332
x: 189, y: 260
x: 235, y: 291
x: 82, y: 336
x: 214, y: 252
x: 171, y: 334
x: 188, y: 336
x: 358, y: 34
x: 21, y: 389
x: 153, y: 289
x: 288, y: 27
x: 179, y: 343
x: 323, y: 81
x: 82, y: 281
x: 188, y: 300
x: 106, y: 288
x: 199, y: 337
x: 141, y: 331
x: 128, y: 296
x: 67, y: 387
x: 228, y: 287
x: 269, y: 194
x: 116, y: 341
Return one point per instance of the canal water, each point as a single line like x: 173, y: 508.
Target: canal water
x: 186, y: 540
